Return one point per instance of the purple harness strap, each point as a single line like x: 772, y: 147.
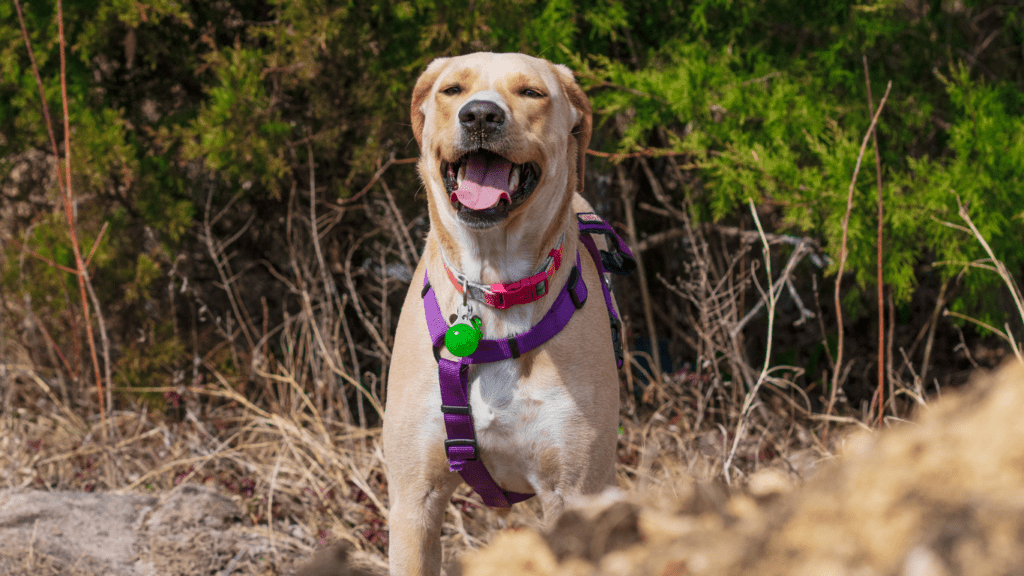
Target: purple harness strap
x: 461, y: 447
x: 618, y: 260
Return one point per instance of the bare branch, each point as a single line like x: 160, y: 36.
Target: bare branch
x: 881, y: 307
x: 843, y: 253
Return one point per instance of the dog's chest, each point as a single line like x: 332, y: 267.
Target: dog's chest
x: 516, y: 420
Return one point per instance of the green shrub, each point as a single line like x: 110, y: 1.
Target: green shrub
x: 173, y: 104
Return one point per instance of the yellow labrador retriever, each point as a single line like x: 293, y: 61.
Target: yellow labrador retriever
x: 532, y: 408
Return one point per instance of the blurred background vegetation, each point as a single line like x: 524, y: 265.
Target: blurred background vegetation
x: 199, y: 128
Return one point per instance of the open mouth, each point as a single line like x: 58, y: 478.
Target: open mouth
x: 483, y: 186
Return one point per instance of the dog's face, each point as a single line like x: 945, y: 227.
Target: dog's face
x: 499, y: 135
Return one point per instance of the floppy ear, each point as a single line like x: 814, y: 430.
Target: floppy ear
x: 424, y: 87
x: 584, y: 121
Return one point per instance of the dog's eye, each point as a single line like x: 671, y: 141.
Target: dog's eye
x: 452, y: 91
x: 531, y: 93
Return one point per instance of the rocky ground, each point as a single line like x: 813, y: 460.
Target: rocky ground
x: 191, y: 530
x: 942, y: 496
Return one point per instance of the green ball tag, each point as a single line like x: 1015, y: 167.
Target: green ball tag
x: 462, y: 339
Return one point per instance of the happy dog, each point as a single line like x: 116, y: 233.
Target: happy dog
x: 509, y: 276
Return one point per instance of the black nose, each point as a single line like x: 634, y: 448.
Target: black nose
x: 481, y: 116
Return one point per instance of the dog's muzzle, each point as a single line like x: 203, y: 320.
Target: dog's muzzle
x: 484, y: 187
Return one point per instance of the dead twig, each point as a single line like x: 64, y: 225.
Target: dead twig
x: 42, y: 258
x: 748, y: 236
x: 356, y: 303
x: 843, y: 254
x: 771, y: 297
x: 409, y: 255
x: 376, y: 176
x: 940, y: 303
x: 216, y: 250
x: 329, y: 286
x: 616, y: 157
x: 776, y: 289
x: 67, y: 195
x: 881, y: 307
x: 1007, y: 335
x: 96, y: 244
x: 61, y: 267
x: 628, y: 199
x: 1004, y: 274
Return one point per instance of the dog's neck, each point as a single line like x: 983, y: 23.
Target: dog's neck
x: 505, y: 253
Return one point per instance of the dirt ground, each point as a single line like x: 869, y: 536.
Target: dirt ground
x: 191, y: 530
x: 942, y: 496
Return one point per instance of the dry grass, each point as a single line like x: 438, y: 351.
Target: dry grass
x: 20, y: 563
x: 284, y: 437
x: 995, y: 265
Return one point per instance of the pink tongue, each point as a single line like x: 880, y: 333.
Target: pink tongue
x: 485, y: 183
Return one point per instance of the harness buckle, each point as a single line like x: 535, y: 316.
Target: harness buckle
x: 459, y: 442
x: 577, y: 300
x: 617, y: 341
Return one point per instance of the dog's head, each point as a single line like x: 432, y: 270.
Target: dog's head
x: 499, y: 135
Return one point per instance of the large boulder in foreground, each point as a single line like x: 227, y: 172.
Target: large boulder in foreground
x: 943, y: 496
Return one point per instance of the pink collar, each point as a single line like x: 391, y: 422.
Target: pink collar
x: 504, y: 296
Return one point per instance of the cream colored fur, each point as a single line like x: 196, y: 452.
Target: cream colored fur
x: 545, y: 422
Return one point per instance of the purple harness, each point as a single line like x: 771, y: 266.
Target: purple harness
x: 460, y: 447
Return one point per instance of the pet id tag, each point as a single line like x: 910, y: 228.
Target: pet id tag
x: 464, y: 336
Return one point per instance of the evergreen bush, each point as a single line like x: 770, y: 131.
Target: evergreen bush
x: 181, y: 110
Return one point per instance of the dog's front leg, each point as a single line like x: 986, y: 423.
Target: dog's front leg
x: 417, y: 512
x: 419, y: 487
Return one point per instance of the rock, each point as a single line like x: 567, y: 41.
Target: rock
x: 521, y: 552
x: 938, y: 497
x: 93, y: 532
x: 768, y: 483
x: 613, y: 528
x: 335, y: 560
x: 188, y: 532
x: 193, y: 529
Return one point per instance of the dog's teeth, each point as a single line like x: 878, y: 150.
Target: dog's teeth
x: 513, y: 179
x: 461, y: 176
